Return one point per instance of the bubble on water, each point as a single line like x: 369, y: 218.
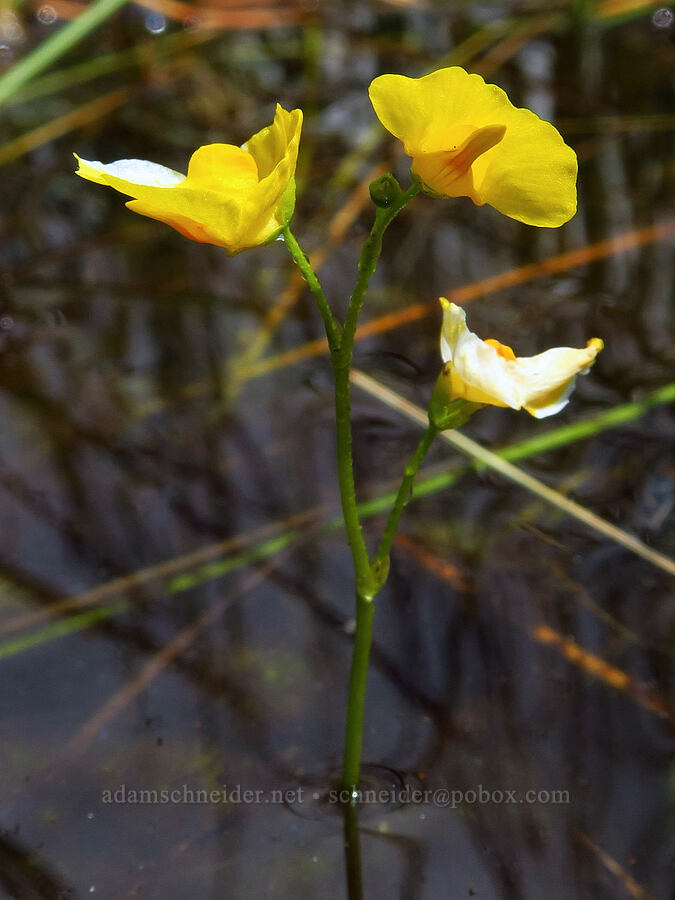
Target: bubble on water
x: 6, y: 323
x: 155, y: 22
x: 663, y: 18
x: 47, y: 15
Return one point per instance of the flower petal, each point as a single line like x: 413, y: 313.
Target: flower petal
x: 222, y: 167
x: 188, y: 226
x: 481, y: 372
x: 528, y: 174
x: 548, y: 379
x: 234, y: 223
x: 438, y: 111
x: 449, y: 173
x: 124, y: 173
x: 278, y: 143
x: 275, y: 151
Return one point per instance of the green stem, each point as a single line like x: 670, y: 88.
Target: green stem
x: 352, y: 852
x: 366, y: 583
x: 333, y: 328
x: 365, y: 609
x: 345, y: 468
x: 368, y: 261
x: 56, y: 45
x: 368, y: 579
x: 404, y: 491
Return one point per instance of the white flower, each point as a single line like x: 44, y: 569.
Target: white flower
x: 490, y: 372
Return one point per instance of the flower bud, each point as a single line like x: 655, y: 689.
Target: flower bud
x: 385, y: 190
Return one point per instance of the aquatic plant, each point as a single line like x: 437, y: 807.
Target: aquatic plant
x: 465, y: 139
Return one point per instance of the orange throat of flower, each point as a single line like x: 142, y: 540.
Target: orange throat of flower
x: 502, y: 349
x: 448, y: 172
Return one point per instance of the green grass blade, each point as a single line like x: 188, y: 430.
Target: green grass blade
x: 425, y: 485
x: 59, y: 629
x: 483, y: 458
x: 579, y: 431
x: 225, y: 566
x: 55, y: 46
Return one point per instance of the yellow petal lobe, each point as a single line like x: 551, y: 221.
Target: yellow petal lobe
x: 470, y: 392
x: 222, y: 167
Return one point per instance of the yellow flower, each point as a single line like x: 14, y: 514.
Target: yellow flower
x: 468, y: 140
x: 233, y: 197
x: 489, y: 372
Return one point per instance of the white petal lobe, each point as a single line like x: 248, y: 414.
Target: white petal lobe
x: 138, y: 171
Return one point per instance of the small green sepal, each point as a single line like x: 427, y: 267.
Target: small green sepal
x: 445, y: 411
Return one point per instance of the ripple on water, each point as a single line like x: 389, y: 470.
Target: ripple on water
x: 321, y: 796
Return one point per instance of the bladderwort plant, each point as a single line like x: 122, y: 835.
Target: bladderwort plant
x: 465, y: 138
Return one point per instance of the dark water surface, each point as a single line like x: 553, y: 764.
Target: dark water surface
x: 153, y: 639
